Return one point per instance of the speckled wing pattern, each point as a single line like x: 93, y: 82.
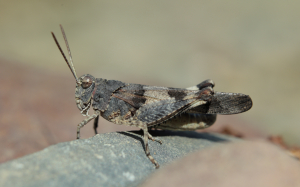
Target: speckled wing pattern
x: 151, y: 104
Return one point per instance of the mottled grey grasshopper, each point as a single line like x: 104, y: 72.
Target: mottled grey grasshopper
x: 151, y: 106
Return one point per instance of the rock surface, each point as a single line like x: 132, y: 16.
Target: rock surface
x: 112, y: 159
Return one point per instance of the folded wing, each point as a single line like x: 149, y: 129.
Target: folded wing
x: 225, y: 103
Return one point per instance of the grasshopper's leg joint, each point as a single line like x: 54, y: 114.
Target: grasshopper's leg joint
x: 85, y: 121
x: 154, y: 139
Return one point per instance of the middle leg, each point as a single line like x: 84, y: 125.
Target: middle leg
x: 96, y: 121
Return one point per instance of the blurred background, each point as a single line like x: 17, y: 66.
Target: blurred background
x: 249, y: 47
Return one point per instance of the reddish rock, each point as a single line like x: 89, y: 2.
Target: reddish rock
x: 244, y: 163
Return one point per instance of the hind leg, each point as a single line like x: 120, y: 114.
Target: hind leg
x: 154, y: 139
x: 146, y: 136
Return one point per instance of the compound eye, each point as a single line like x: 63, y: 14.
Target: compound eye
x: 86, y: 82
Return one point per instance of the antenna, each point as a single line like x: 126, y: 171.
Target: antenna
x: 70, y: 64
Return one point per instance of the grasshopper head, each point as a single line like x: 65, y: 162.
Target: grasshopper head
x: 84, y: 85
x: 84, y: 92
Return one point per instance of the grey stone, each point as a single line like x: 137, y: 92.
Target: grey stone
x: 112, y: 159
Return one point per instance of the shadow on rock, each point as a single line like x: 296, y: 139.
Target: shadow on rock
x: 188, y: 134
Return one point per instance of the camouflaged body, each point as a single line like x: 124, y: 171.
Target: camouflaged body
x: 136, y: 104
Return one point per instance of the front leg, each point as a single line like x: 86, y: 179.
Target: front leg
x: 85, y: 121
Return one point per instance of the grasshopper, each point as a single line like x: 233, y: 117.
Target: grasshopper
x: 151, y: 106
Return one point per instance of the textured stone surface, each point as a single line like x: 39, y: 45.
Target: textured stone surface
x: 244, y: 163
x: 112, y: 159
